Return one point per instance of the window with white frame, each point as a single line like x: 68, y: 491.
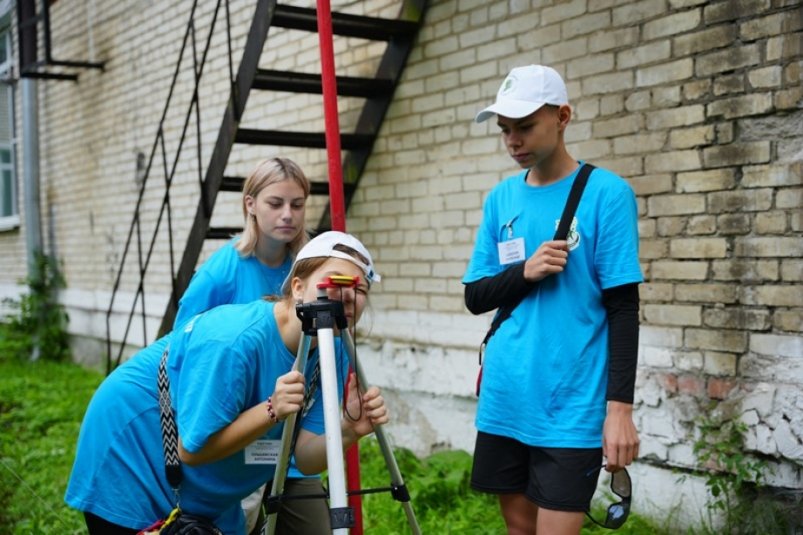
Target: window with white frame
x: 9, y: 214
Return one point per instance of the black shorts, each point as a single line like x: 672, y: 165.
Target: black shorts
x: 562, y: 479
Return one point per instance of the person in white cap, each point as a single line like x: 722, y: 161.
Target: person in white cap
x: 558, y: 376
x: 249, y: 266
x: 232, y: 386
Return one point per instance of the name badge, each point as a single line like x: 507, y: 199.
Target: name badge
x: 511, y: 251
x: 263, y: 452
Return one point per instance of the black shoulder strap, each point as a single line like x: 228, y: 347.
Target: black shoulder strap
x: 560, y: 234
x: 571, y: 203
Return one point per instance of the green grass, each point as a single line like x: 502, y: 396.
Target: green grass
x: 41, y: 406
x: 439, y: 494
x: 442, y: 500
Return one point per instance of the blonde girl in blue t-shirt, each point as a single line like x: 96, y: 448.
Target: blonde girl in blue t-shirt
x: 256, y: 262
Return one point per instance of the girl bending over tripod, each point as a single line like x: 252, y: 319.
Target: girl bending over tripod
x: 231, y: 387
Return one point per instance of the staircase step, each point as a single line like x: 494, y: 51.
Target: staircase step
x: 313, y: 140
x: 298, y: 82
x: 232, y: 183
x: 222, y: 233
x: 373, y: 28
x: 322, y: 188
x: 235, y: 184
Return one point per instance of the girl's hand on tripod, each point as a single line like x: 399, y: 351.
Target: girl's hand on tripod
x: 363, y: 411
x: 286, y: 399
x: 288, y: 396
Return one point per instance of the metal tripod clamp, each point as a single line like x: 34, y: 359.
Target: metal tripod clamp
x: 321, y: 314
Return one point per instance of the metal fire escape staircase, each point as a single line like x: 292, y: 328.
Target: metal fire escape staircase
x: 377, y: 92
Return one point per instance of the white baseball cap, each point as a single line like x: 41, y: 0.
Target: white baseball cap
x: 323, y: 246
x: 524, y: 91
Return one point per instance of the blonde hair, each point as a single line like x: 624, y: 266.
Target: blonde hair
x: 269, y: 172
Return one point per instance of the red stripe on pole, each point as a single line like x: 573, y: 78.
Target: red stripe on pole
x: 337, y: 206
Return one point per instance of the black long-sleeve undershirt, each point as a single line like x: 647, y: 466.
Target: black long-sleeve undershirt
x: 621, y: 305
x: 502, y: 289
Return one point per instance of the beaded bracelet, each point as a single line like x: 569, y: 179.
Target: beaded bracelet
x: 271, y: 413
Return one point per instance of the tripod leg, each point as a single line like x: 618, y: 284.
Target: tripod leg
x: 400, y: 490
x: 340, y: 513
x: 280, y: 475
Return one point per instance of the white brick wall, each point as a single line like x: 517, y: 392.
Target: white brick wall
x: 706, y: 131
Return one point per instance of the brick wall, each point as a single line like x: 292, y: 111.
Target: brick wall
x: 697, y: 104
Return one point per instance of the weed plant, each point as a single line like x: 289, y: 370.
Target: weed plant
x: 37, y: 324
x: 736, y: 479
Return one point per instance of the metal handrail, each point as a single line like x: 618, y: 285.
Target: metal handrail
x: 159, y: 148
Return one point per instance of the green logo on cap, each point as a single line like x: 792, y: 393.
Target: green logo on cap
x: 507, y: 85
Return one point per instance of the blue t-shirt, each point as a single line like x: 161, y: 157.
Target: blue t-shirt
x: 545, y: 371
x: 226, y: 278
x: 220, y: 364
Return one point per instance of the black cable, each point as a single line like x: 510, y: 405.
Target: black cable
x: 357, y: 379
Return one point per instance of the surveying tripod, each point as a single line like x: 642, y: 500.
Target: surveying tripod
x: 319, y: 318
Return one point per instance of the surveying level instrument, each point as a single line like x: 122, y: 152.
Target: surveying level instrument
x: 333, y: 281
x: 319, y: 318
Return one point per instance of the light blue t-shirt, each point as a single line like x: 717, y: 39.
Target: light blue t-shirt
x: 227, y: 277
x: 220, y: 364
x: 545, y: 371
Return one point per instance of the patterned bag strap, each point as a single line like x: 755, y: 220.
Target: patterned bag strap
x: 315, y: 378
x: 307, y: 403
x: 168, y: 424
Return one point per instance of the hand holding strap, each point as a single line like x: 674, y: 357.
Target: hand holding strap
x: 562, y: 232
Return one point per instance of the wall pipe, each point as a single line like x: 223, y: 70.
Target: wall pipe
x: 30, y: 173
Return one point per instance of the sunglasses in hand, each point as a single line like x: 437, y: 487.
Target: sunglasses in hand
x: 617, y: 512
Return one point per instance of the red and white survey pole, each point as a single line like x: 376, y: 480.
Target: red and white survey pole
x: 337, y: 205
